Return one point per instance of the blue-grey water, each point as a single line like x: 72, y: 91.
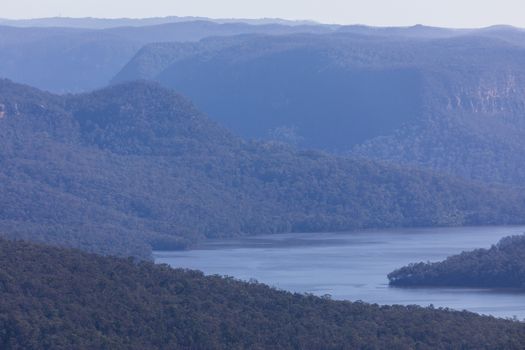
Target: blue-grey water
x: 353, y: 266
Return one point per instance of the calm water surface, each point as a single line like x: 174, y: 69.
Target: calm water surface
x: 354, y: 265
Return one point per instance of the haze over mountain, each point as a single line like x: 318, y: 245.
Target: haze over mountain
x: 508, y: 33
x: 450, y: 101
x: 80, y: 54
x: 123, y: 169
x: 80, y: 59
x: 105, y: 23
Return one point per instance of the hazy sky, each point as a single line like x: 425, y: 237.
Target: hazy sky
x: 450, y: 13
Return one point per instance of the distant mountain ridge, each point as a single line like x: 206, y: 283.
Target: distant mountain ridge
x: 135, y: 166
x: 80, y: 59
x: 105, y: 23
x: 80, y: 54
x: 451, y: 104
x: 511, y: 34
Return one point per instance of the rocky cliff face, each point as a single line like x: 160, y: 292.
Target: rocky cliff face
x: 490, y: 94
x: 474, y: 129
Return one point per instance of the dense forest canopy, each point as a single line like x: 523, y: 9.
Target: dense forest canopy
x: 501, y: 266
x: 427, y: 124
x: 448, y: 101
x: 136, y: 166
x: 62, y: 299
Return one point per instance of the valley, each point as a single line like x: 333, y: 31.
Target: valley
x: 136, y: 167
x: 234, y: 183
x: 355, y: 265
x: 453, y: 104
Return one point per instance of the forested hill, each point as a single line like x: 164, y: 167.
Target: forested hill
x: 452, y: 103
x: 54, y: 298
x: 136, y: 166
x: 501, y: 266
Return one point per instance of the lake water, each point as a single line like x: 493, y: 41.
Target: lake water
x: 353, y: 266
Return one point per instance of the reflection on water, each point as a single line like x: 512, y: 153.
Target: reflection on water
x: 354, y: 265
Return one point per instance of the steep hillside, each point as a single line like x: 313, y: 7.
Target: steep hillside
x: 454, y: 104
x: 122, y: 169
x: 501, y: 266
x: 62, y: 299
x: 259, y: 86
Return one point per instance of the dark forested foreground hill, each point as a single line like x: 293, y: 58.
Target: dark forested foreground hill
x: 501, y: 266
x: 422, y: 96
x: 53, y: 298
x: 123, y: 169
